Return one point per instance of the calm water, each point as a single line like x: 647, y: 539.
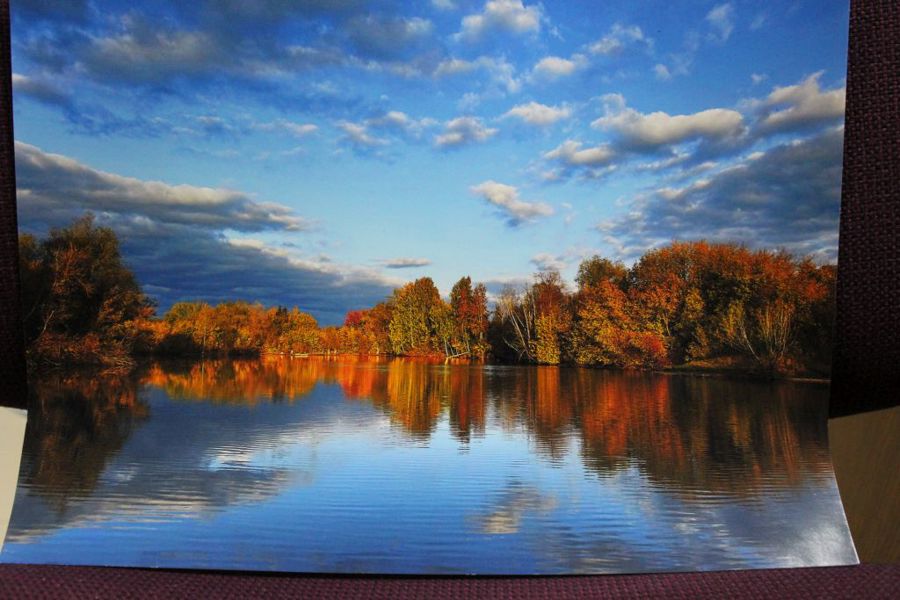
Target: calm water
x: 403, y: 466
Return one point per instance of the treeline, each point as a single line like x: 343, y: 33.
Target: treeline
x: 414, y: 321
x: 690, y: 303
x: 695, y: 303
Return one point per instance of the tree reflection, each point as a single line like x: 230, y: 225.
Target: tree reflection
x: 692, y: 434
x: 703, y: 434
x: 76, y: 423
x: 236, y: 381
x: 467, y: 409
x: 698, y: 432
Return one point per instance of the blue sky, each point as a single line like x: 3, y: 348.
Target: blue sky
x: 319, y: 153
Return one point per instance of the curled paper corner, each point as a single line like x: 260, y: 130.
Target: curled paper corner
x: 12, y: 425
x: 863, y: 448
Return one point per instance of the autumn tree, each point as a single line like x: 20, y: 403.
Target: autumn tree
x: 300, y: 333
x: 418, y: 322
x: 81, y: 303
x: 688, y: 303
x: 553, y: 317
x: 377, y: 323
x: 470, y: 315
x: 595, y: 270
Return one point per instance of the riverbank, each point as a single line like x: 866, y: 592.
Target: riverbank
x: 731, y: 366
x: 735, y: 366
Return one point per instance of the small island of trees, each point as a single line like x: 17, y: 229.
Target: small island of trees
x: 689, y: 304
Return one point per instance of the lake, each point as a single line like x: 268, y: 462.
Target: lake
x: 349, y: 464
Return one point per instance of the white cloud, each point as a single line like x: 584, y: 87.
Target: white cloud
x: 296, y: 129
x: 357, y: 134
x: 721, y: 20
x: 659, y: 128
x: 757, y: 201
x: 46, y: 177
x: 161, y: 52
x: 552, y: 67
x: 455, y: 66
x: 571, y: 158
x: 444, y: 4
x: 538, y: 114
x: 803, y: 104
x: 464, y: 130
x: 405, y: 263
x: 618, y: 37
x: 571, y: 153
x: 391, y: 124
x: 399, y: 121
x: 549, y: 262
x: 501, y: 15
x: 501, y: 71
x: 662, y: 72
x: 40, y: 89
x: 506, y: 199
x: 758, y: 78
x: 190, y: 242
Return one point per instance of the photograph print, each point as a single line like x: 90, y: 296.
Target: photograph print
x: 445, y: 287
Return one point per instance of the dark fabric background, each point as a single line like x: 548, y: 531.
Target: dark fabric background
x: 866, y: 375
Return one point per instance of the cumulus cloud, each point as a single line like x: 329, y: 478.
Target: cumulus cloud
x: 510, y: 16
x: 571, y: 157
x: 357, y: 135
x: 464, y: 130
x: 721, y: 21
x: 690, y: 143
x: 232, y: 41
x: 549, y: 262
x: 399, y: 122
x: 55, y: 184
x: 801, y: 105
x: 387, y: 37
x: 571, y: 151
x: 142, y: 53
x: 506, y: 199
x: 195, y: 266
x: 455, y: 66
x: 41, y: 90
x: 501, y: 74
x: 367, y: 136
x: 405, y: 263
x: 618, y: 38
x: 553, y: 67
x: 173, y: 237
x: 538, y: 114
x: 788, y: 196
x: 657, y: 129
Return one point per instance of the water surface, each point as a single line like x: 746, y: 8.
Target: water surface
x: 402, y: 466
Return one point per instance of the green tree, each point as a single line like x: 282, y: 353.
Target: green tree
x: 417, y: 311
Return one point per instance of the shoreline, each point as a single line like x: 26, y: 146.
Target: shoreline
x: 142, y: 359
